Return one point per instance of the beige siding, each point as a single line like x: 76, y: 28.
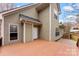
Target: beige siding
x: 54, y: 23
x: 12, y: 19
x: 44, y: 18
x: 31, y: 12
x: 28, y: 32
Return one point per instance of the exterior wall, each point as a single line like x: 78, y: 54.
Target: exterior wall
x: 12, y: 19
x: 44, y: 18
x: 27, y: 33
x: 30, y: 12
x: 54, y: 23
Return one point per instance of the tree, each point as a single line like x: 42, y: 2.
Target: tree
x: 67, y: 29
x: 6, y: 6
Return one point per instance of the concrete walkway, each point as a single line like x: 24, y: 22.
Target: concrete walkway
x: 39, y: 48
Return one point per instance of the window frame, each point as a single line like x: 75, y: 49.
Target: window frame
x: 14, y: 32
x: 55, y: 16
x: 57, y: 32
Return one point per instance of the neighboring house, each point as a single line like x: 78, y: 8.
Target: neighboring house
x: 74, y: 27
x: 24, y: 24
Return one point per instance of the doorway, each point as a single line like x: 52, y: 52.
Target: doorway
x: 35, y: 33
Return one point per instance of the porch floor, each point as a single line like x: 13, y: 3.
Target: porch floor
x: 39, y: 47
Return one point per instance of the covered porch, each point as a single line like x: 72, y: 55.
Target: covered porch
x: 31, y: 28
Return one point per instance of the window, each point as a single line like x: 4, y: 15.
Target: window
x: 55, y: 13
x: 13, y: 32
x: 56, y: 17
x: 57, y: 32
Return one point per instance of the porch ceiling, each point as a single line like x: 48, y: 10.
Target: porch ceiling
x: 27, y: 19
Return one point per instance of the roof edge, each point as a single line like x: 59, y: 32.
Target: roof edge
x: 15, y: 9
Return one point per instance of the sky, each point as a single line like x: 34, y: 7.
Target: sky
x: 20, y: 4
x: 68, y: 11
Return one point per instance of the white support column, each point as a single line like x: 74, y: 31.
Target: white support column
x: 24, y: 29
x: 50, y: 22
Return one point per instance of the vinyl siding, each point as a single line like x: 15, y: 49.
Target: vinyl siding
x: 54, y: 23
x: 14, y: 19
x: 44, y: 18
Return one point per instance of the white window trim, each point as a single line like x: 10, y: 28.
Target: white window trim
x: 17, y: 32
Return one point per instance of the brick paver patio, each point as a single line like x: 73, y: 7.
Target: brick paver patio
x: 39, y: 48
